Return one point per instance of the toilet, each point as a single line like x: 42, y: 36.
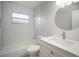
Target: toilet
x: 33, y: 50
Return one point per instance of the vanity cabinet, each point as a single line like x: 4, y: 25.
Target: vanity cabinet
x: 48, y: 50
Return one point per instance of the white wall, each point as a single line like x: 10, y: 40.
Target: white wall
x: 47, y: 27
x: 0, y: 24
x: 16, y: 35
x: 75, y: 18
x: 46, y: 11
x: 74, y: 33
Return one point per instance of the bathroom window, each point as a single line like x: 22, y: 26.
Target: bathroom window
x: 19, y: 18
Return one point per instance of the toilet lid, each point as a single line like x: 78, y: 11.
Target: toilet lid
x: 33, y: 48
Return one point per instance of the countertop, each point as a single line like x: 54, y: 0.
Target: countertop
x: 67, y: 45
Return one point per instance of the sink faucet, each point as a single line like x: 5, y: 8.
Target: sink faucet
x: 63, y: 35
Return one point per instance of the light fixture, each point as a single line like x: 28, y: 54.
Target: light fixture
x: 64, y: 3
x: 75, y: 0
x: 69, y: 3
x: 60, y: 3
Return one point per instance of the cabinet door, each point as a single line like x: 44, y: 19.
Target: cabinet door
x: 49, y: 50
x: 43, y: 53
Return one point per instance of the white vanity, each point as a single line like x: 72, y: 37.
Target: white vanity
x: 57, y: 47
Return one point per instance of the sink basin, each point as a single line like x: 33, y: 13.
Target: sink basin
x: 58, y: 41
x: 61, y: 42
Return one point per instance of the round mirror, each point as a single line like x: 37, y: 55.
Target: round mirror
x: 67, y: 18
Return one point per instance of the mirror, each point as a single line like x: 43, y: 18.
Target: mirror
x: 67, y: 18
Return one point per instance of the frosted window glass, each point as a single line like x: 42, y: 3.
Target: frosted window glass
x: 17, y: 15
x: 19, y: 18
x: 15, y: 20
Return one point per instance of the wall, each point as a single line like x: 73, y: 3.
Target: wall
x: 46, y: 11
x: 75, y: 18
x: 0, y: 24
x: 16, y: 35
x: 73, y: 34
x: 47, y: 27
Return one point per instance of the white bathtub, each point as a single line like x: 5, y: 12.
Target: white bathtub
x: 15, y: 50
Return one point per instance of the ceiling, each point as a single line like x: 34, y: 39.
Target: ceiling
x: 28, y: 4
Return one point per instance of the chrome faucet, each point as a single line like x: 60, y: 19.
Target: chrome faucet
x: 63, y: 35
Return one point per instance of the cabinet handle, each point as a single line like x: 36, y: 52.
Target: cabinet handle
x: 51, y: 52
x: 38, y: 44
